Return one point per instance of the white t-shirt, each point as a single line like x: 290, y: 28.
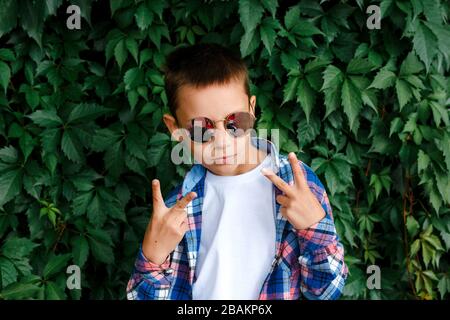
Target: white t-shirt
x: 237, y: 243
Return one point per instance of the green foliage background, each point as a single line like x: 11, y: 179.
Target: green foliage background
x: 81, y: 134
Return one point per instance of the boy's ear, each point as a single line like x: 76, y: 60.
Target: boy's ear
x: 171, y: 123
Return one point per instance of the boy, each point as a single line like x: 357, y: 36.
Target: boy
x: 257, y: 228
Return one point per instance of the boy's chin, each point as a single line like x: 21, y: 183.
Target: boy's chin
x: 225, y: 169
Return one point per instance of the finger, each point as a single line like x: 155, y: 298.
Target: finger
x: 157, y: 197
x: 299, y: 177
x: 276, y: 180
x: 185, y: 200
x: 283, y: 200
x: 179, y: 215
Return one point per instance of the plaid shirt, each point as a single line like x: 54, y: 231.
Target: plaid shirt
x: 307, y: 262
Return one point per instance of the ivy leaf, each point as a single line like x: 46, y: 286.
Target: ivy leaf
x: 46, y: 118
x: 80, y: 251
x: 290, y: 89
x: 250, y: 14
x: 19, y: 290
x: 359, y: 66
x: 5, y: 75
x: 17, y: 248
x: 8, y: 16
x: 143, y: 16
x: 86, y: 112
x: 306, y: 96
x: 10, y: 185
x: 249, y: 42
x: 425, y: 45
x: 71, y: 146
x: 55, y: 264
x: 100, y: 243
x: 384, y: 79
x: 268, y: 33
x: 120, y: 53
x: 8, y: 273
x: 404, y: 93
x: 53, y: 291
x: 351, y: 101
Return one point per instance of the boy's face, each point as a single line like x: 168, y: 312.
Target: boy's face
x: 223, y: 154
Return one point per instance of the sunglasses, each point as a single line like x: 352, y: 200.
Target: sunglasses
x: 236, y: 124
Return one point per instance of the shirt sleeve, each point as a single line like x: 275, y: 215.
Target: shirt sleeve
x: 322, y: 268
x: 149, y: 281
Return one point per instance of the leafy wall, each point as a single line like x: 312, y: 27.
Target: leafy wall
x: 81, y: 134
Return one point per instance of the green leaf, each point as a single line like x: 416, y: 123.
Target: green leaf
x: 120, y: 53
x: 100, y: 243
x: 143, y: 16
x: 8, y: 15
x: 17, y: 248
x: 81, y: 202
x: 8, y: 154
x: 351, y: 101
x: 411, y: 65
x: 250, y: 14
x: 71, y: 146
x: 55, y: 264
x: 10, y: 185
x: 384, y: 79
x: 133, y: 77
x: 5, y: 75
x: 306, y: 96
x: 249, y: 42
x: 425, y: 45
x: 268, y: 33
x: 404, y: 93
x: 54, y: 292
x: 19, y: 290
x: 423, y: 160
x: 290, y: 89
x: 46, y: 118
x: 80, y: 250
x: 412, y: 225
x: 270, y: 5
x: 359, y: 66
x: 8, y: 273
x: 86, y: 112
x: 306, y: 28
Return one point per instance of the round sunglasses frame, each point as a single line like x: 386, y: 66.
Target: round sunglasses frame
x: 192, y: 137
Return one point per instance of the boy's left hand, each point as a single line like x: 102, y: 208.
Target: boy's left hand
x: 298, y: 204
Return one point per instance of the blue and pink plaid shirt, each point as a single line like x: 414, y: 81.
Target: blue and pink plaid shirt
x: 308, y: 263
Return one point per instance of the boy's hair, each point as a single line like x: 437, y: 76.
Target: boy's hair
x: 201, y: 65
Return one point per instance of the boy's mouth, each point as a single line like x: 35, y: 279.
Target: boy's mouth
x: 225, y: 159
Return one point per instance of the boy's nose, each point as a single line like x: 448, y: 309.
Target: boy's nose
x: 221, y: 138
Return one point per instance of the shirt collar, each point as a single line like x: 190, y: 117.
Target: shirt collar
x: 197, y: 172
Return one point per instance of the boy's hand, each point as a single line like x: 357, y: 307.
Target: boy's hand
x: 166, y: 227
x: 298, y: 204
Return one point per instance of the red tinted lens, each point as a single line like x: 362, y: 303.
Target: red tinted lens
x: 239, y: 122
x: 200, y: 129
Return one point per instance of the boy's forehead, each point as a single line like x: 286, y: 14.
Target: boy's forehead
x: 214, y: 101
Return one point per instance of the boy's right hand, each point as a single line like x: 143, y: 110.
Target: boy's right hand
x: 167, y: 226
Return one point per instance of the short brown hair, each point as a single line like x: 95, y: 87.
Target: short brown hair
x: 200, y: 65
